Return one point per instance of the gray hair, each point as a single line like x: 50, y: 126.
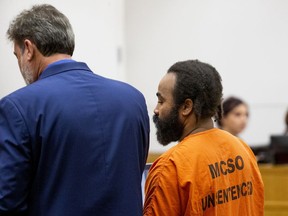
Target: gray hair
x: 46, y: 27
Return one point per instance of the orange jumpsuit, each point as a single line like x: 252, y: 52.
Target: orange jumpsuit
x: 207, y: 173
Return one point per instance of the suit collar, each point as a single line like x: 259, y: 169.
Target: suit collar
x: 63, y: 66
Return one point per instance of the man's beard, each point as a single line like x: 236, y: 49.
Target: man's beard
x: 27, y: 74
x: 170, y: 128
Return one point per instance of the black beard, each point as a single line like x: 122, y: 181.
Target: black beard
x: 169, y: 129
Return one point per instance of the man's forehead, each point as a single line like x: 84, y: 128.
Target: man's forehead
x: 168, y: 80
x: 166, y: 85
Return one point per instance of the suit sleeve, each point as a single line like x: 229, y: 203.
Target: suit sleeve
x: 15, y: 163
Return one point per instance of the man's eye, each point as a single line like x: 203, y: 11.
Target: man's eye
x: 160, y: 102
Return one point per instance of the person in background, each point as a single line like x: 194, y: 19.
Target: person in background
x: 286, y: 124
x: 235, y: 115
x: 71, y: 142
x: 210, y: 171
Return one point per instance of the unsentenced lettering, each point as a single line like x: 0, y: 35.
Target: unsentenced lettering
x: 226, y: 195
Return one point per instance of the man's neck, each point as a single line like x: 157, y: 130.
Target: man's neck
x: 45, y: 61
x: 200, y: 126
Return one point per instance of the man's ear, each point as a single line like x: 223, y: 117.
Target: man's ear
x: 187, y: 107
x: 30, y: 49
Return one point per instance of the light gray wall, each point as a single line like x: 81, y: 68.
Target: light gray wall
x: 247, y: 42
x: 99, y: 34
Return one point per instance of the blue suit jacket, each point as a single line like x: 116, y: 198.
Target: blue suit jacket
x: 72, y: 143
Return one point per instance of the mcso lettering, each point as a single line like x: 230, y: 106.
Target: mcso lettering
x: 226, y: 167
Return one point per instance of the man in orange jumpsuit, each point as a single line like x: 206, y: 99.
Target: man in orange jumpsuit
x: 210, y: 171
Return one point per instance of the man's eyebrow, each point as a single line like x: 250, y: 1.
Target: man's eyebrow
x: 159, y: 95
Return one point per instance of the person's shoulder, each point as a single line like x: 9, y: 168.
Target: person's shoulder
x: 171, y: 157
x: 239, y: 142
x: 164, y: 157
x: 231, y: 138
x: 121, y: 84
x: 246, y: 147
x: 222, y: 134
x: 19, y: 93
x: 26, y: 94
x: 15, y: 101
x: 122, y: 87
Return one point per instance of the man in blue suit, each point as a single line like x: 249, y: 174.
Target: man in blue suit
x: 71, y: 142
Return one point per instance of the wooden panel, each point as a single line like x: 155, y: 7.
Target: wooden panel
x: 275, y: 178
x: 152, y: 157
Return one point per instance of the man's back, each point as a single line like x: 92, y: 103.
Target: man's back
x: 84, y: 141
x: 208, y: 173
